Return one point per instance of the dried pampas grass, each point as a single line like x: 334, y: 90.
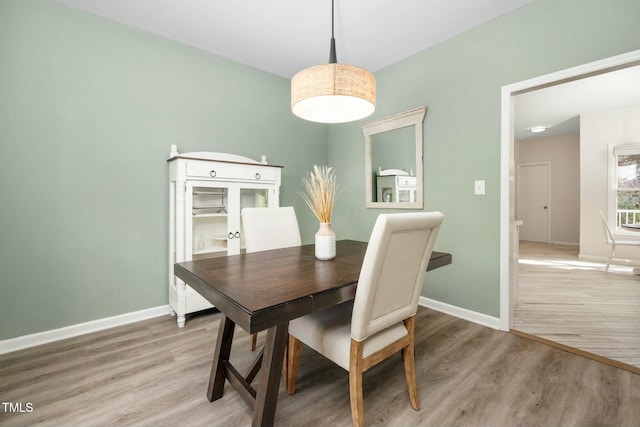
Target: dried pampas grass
x: 322, y: 190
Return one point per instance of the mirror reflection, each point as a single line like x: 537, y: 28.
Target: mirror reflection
x: 393, y: 161
x: 393, y: 157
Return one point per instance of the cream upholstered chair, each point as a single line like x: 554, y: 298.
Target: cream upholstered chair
x: 381, y: 319
x: 269, y: 228
x: 610, y: 239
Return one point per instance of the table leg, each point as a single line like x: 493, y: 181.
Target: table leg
x: 223, y: 350
x: 264, y: 411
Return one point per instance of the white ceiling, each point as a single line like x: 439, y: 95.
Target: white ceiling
x: 559, y: 107
x: 285, y: 36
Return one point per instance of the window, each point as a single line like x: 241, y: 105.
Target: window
x: 624, y: 198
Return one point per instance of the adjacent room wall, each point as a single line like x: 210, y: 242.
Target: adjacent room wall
x: 598, y: 131
x: 563, y: 152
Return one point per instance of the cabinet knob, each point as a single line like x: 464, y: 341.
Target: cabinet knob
x: 230, y: 236
x: 212, y: 173
x: 257, y: 175
x: 237, y: 235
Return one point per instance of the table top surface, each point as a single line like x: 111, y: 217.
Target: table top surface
x: 262, y: 289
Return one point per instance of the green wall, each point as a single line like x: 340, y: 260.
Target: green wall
x: 460, y: 81
x: 89, y: 108
x: 88, y: 111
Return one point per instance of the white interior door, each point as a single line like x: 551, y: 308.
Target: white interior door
x: 533, y: 201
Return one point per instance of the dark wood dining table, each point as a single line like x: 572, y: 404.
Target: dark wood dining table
x: 265, y: 290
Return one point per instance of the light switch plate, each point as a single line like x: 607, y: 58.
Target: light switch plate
x: 479, y: 188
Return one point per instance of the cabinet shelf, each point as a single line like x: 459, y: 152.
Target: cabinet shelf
x: 210, y: 215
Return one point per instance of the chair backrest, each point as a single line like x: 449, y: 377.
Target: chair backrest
x: 608, y: 235
x: 393, y: 271
x: 270, y: 228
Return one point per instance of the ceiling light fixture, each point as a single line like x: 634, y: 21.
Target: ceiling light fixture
x: 333, y: 93
x: 537, y: 129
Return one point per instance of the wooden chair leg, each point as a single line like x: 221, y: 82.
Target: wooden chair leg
x: 293, y: 358
x: 355, y: 383
x: 254, y: 341
x: 408, y: 355
x: 410, y: 374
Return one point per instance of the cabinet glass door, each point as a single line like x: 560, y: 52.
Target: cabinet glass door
x: 208, y: 220
x: 257, y: 197
x: 406, y: 195
x: 215, y: 221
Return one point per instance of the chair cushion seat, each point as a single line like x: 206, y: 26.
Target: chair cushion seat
x: 329, y: 333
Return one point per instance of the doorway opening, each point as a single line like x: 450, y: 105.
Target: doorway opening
x: 510, y: 244
x: 509, y: 240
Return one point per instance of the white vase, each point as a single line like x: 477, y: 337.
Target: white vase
x: 325, y: 242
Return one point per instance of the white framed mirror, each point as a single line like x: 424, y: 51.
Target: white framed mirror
x: 393, y: 161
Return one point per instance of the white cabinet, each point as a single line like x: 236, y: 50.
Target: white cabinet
x: 207, y: 192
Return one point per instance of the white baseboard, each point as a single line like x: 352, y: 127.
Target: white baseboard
x: 565, y: 243
x: 32, y: 340
x: 614, y: 261
x: 39, y: 338
x: 462, y: 313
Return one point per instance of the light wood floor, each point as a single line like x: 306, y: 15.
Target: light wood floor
x: 153, y: 374
x: 577, y: 304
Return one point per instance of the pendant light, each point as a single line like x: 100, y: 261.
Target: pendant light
x: 333, y: 93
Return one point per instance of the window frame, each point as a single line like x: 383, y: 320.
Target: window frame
x: 616, y: 150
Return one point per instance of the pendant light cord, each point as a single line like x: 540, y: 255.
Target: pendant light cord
x: 332, y: 52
